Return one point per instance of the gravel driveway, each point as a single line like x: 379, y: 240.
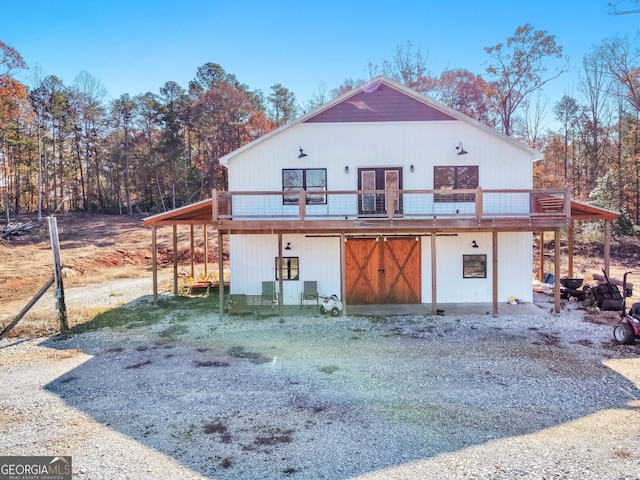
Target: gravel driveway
x: 185, y: 395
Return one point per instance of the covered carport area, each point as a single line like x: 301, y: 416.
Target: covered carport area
x: 580, y: 211
x: 202, y: 213
x: 195, y: 214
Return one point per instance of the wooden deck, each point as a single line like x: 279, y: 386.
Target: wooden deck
x: 418, y: 211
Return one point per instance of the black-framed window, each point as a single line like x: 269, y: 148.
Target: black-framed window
x: 449, y: 178
x: 474, y: 266
x: 290, y: 268
x: 308, y: 179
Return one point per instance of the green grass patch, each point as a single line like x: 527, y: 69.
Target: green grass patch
x: 178, y: 309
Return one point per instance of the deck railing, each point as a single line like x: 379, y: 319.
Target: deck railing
x: 407, y: 204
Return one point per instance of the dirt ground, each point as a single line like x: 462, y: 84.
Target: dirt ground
x: 101, y: 248
x: 95, y: 249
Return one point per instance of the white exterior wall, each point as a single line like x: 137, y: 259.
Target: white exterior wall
x: 502, y: 165
x: 515, y: 260
x: 252, y: 261
x: 515, y: 266
x: 394, y: 144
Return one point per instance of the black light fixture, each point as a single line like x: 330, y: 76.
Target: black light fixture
x: 412, y: 169
x: 474, y: 244
x: 288, y: 247
x: 346, y: 169
x: 461, y: 149
x: 302, y: 154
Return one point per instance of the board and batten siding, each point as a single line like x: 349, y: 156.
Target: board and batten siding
x: 252, y: 261
x: 394, y: 144
x: 514, y: 268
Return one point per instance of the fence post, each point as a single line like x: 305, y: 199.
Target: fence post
x: 57, y: 272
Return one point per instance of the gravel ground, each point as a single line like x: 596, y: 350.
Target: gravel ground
x: 181, y: 394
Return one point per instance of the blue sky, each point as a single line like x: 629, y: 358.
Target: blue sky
x: 136, y: 46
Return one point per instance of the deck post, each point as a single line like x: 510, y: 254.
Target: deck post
x: 302, y: 204
x: 571, y: 244
x: 154, y: 261
x: 280, y: 282
x: 556, y: 283
x: 541, y: 262
x: 390, y: 200
x: 479, y: 206
x: 343, y: 273
x: 206, y: 249
x: 214, y: 205
x: 192, y: 245
x: 434, y: 306
x: 607, y: 245
x: 495, y: 272
x: 220, y: 273
x: 175, y: 259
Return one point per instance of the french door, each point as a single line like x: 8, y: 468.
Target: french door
x: 375, y: 204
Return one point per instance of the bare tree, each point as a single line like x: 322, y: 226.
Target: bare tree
x: 621, y: 60
x: 595, y: 86
x: 534, y: 114
x: 408, y: 66
x: 319, y: 97
x: 519, y: 68
x: 623, y: 7
x: 10, y: 60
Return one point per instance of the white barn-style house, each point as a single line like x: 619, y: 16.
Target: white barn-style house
x: 383, y: 196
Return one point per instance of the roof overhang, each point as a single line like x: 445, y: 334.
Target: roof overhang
x: 198, y: 213
x: 584, y: 211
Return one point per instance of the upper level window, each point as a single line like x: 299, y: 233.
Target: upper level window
x: 455, y: 178
x: 308, y: 179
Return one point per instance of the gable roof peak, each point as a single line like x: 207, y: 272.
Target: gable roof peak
x: 378, y: 101
x: 431, y: 110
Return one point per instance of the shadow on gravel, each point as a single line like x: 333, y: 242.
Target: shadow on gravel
x: 322, y: 397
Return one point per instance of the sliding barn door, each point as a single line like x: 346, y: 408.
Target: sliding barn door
x: 380, y: 271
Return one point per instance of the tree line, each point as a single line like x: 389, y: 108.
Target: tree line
x: 67, y: 148
x: 64, y: 148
